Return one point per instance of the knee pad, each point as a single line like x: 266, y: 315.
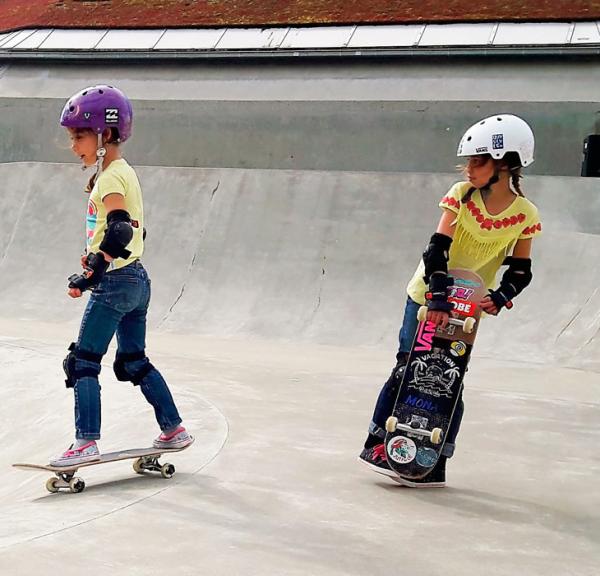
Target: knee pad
x: 395, y: 379
x: 123, y: 374
x: 70, y: 369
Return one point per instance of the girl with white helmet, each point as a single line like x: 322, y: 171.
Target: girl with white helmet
x: 98, y: 119
x: 486, y: 223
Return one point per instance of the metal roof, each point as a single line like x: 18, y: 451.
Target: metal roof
x: 295, y: 40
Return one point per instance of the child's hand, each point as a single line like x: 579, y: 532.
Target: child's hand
x: 74, y: 292
x: 83, y: 260
x: 488, y: 306
x: 439, y: 318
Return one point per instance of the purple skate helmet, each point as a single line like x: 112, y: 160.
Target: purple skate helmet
x: 97, y: 108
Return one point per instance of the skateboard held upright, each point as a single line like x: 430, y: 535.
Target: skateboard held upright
x: 432, y: 381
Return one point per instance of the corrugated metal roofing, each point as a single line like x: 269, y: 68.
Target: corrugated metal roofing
x: 292, y: 39
x: 19, y: 14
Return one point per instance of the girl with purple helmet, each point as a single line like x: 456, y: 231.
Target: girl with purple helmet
x: 98, y: 119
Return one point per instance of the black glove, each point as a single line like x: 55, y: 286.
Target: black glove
x: 437, y: 297
x: 94, y: 271
x: 502, y: 298
x: 514, y: 281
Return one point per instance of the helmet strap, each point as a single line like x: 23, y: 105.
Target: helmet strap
x: 100, y: 154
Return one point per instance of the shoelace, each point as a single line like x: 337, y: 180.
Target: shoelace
x: 379, y: 452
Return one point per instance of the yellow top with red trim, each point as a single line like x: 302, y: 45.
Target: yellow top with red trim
x: 481, y: 240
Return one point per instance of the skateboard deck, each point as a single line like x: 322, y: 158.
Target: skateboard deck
x: 432, y: 381
x: 146, y: 459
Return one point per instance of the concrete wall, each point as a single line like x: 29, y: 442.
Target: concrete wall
x: 376, y: 116
x: 300, y: 256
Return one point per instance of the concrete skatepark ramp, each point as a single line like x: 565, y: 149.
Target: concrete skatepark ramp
x: 277, y: 296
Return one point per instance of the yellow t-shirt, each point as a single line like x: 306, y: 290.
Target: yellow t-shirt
x: 481, y: 241
x: 118, y: 178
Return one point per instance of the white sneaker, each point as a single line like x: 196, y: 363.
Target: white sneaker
x: 87, y: 453
x: 179, y: 438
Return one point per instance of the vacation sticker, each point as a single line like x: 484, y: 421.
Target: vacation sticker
x: 401, y: 449
x: 434, y: 374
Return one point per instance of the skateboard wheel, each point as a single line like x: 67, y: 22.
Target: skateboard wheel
x: 436, y: 436
x: 51, y: 485
x: 76, y: 485
x: 167, y: 470
x: 391, y: 423
x: 422, y: 314
x: 138, y: 466
x: 469, y: 325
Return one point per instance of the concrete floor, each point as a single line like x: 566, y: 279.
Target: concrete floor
x: 272, y: 485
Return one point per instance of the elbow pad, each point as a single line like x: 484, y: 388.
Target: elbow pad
x: 514, y: 281
x: 436, y: 255
x: 118, y: 234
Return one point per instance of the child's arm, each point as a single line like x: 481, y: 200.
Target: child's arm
x: 114, y: 202
x: 514, y: 280
x: 116, y: 237
x: 436, y: 268
x: 447, y: 223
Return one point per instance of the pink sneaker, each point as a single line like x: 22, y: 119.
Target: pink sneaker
x: 87, y: 453
x: 179, y: 438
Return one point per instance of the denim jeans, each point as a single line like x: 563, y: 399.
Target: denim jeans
x: 408, y: 329
x: 387, y: 397
x: 118, y: 305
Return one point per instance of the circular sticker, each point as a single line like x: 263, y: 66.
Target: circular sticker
x: 401, y: 449
x: 458, y: 348
x: 426, y: 457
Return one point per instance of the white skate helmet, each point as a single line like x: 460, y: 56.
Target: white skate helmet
x: 498, y: 135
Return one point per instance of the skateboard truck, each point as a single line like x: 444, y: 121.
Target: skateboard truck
x: 152, y: 464
x: 435, y: 435
x: 65, y: 480
x: 467, y: 325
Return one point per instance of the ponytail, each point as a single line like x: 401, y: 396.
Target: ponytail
x: 468, y: 195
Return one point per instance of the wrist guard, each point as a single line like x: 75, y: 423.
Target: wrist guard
x: 93, y: 273
x: 437, y: 297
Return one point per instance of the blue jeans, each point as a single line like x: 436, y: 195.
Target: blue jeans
x: 387, y: 397
x: 118, y: 304
x: 408, y: 329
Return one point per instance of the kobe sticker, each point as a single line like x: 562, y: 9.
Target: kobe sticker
x: 401, y: 449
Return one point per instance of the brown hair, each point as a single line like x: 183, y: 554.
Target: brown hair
x: 512, y: 162
x: 112, y: 139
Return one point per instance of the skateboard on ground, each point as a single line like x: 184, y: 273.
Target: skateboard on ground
x: 146, y: 459
x: 432, y: 381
